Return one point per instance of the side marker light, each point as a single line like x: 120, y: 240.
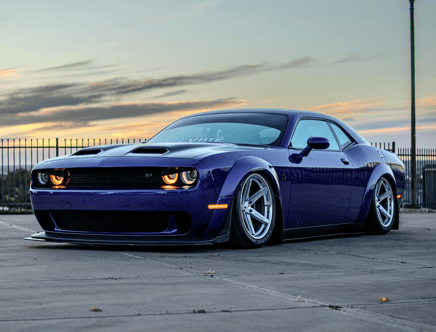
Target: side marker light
x: 399, y: 196
x: 217, y: 206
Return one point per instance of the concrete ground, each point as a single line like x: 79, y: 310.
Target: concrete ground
x: 320, y: 284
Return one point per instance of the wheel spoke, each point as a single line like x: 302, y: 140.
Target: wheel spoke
x: 260, y: 217
x: 249, y: 224
x: 247, y: 189
x: 257, y: 195
x: 377, y: 190
x: 384, y: 195
x: 383, y: 211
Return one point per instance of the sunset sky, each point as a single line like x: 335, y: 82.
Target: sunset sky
x: 126, y: 69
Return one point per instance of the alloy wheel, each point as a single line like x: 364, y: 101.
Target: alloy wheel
x: 257, y: 206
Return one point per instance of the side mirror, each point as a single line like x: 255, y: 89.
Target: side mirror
x: 319, y: 143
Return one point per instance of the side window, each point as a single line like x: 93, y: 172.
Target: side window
x: 309, y: 128
x: 344, y: 140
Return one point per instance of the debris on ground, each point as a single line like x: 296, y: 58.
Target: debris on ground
x: 95, y: 309
x: 207, y: 273
x: 298, y: 298
x: 199, y: 311
x: 281, y: 272
x: 334, y: 307
x: 383, y: 299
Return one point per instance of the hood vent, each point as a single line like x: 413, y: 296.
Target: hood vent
x: 145, y: 150
x: 87, y: 152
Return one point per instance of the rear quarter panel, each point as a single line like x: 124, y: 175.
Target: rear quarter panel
x: 371, y: 163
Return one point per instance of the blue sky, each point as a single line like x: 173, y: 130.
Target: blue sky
x: 127, y: 68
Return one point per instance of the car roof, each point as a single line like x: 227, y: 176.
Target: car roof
x: 290, y: 113
x: 260, y: 110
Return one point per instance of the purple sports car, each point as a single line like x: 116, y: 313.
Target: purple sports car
x: 246, y: 176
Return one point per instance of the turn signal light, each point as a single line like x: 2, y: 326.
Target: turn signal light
x: 399, y: 196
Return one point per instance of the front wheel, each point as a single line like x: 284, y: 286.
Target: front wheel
x: 383, y: 209
x: 254, y: 212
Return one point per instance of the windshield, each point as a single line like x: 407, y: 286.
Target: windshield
x: 240, y: 128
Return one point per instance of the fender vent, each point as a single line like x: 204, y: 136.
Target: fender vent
x: 87, y: 152
x: 144, y: 150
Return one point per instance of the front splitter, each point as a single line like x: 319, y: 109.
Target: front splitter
x: 122, y: 240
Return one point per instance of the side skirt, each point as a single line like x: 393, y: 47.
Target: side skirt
x: 318, y: 230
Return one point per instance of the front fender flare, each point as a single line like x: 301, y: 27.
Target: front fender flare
x: 244, y: 166
x: 248, y: 165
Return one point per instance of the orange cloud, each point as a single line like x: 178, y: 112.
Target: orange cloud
x: 427, y: 102
x: 347, y: 106
x: 7, y: 73
x: 394, y: 130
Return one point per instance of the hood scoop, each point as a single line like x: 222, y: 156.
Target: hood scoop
x: 87, y: 152
x: 151, y: 150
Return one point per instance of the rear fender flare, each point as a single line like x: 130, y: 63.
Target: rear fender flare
x: 379, y: 171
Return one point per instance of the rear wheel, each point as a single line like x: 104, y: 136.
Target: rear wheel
x: 254, y: 212
x: 383, y: 209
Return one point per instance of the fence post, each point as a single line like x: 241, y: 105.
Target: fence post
x: 393, y: 147
x: 57, y: 147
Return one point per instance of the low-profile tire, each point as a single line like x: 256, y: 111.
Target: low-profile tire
x: 253, y: 212
x: 383, y: 209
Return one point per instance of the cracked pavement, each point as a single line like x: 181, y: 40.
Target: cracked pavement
x: 325, y: 283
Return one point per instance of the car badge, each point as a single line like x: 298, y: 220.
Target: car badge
x: 148, y: 175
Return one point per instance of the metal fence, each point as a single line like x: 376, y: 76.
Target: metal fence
x: 425, y: 174
x: 18, y: 156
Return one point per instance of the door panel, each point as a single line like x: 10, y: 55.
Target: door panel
x: 320, y: 189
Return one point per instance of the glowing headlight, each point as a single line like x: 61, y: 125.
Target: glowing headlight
x: 170, y: 178
x: 56, y: 180
x: 42, y: 178
x: 189, y: 177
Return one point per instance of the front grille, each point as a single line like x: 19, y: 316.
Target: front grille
x: 115, y: 177
x: 112, y: 221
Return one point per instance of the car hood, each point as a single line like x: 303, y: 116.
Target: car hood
x: 131, y: 154
x: 168, y: 150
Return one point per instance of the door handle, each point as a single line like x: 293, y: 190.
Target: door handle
x: 345, y: 161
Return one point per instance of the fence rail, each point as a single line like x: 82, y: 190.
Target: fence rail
x: 18, y: 156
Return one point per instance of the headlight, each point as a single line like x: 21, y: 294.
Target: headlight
x: 56, y: 180
x: 189, y: 177
x: 42, y: 178
x: 170, y: 178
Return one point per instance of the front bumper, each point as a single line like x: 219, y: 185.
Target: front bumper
x: 206, y: 226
